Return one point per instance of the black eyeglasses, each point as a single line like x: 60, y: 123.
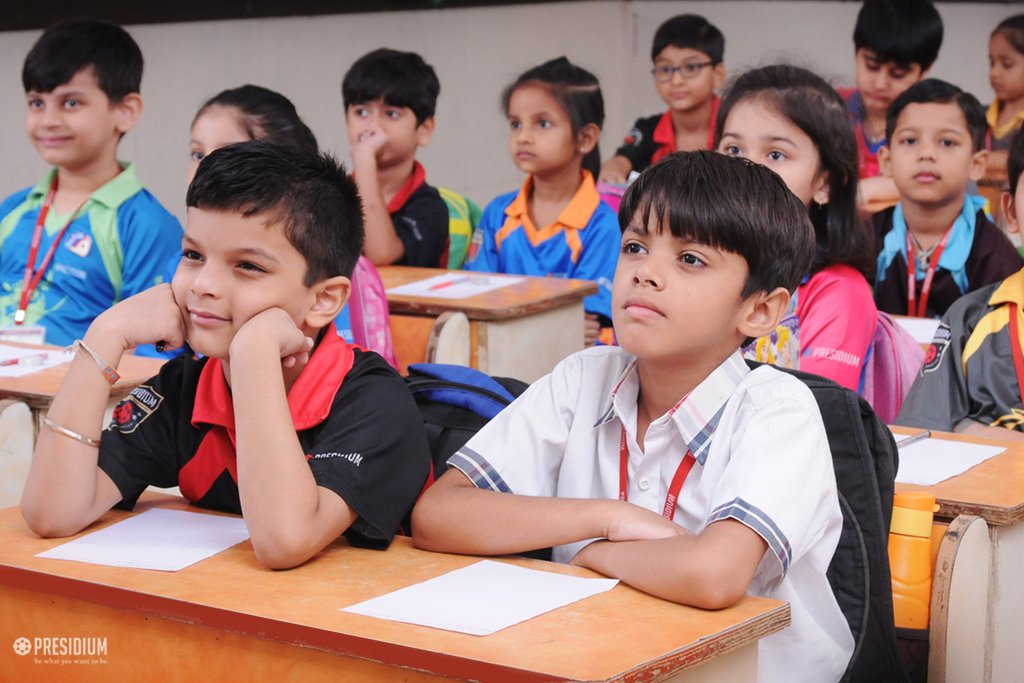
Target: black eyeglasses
x: 689, y: 70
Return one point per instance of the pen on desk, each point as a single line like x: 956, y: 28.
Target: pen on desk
x: 449, y: 283
x: 913, y: 438
x: 23, y: 360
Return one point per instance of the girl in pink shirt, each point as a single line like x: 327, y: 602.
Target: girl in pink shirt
x: 792, y: 121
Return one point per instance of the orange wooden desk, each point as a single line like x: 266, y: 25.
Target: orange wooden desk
x: 227, y: 618
x: 39, y: 388
x: 994, y: 491
x: 521, y: 330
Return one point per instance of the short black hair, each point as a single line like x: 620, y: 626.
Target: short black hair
x: 265, y: 115
x: 576, y: 90
x: 728, y: 203
x: 933, y: 90
x: 308, y: 192
x: 689, y: 31
x: 66, y: 48
x: 401, y: 79
x: 902, y: 31
x: 1015, y: 162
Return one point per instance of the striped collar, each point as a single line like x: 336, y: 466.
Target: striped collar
x: 695, y: 416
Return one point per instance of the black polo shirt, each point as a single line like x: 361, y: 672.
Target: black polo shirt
x: 420, y: 217
x: 992, y: 258
x: 356, y: 421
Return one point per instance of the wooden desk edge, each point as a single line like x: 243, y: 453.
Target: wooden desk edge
x: 417, y: 306
x: 744, y: 633
x: 950, y: 509
x: 706, y: 649
x: 476, y: 307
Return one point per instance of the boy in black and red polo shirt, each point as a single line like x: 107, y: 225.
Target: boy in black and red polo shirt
x: 280, y: 420
x: 389, y: 99
x: 687, y: 53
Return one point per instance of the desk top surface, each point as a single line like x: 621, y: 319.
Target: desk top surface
x: 38, y: 388
x: 620, y: 634
x: 530, y: 295
x: 993, y: 489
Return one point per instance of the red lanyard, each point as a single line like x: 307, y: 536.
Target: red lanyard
x: 674, y: 488
x: 926, y: 288
x: 32, y: 277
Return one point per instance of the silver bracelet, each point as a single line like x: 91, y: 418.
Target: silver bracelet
x: 65, y: 432
x: 109, y: 373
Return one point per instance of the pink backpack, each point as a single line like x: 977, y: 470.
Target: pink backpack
x: 894, y: 360
x: 368, y: 312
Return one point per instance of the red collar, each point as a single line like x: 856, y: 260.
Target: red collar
x: 418, y: 177
x: 309, y: 399
x: 665, y: 133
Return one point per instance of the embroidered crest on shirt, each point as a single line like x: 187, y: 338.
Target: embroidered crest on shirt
x: 633, y: 137
x: 78, y: 243
x: 933, y: 357
x: 135, y: 409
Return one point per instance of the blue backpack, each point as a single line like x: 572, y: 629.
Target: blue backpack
x: 455, y: 402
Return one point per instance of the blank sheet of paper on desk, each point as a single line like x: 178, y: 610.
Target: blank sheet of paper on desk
x: 454, y: 285
x: 34, y: 360
x: 167, y: 540
x: 930, y: 461
x: 482, y: 598
x: 921, y: 329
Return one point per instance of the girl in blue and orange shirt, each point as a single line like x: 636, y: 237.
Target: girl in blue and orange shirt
x: 556, y: 224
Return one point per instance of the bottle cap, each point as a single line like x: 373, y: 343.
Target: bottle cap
x: 912, y: 514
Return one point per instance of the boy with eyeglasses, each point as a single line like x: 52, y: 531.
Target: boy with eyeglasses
x: 687, y: 53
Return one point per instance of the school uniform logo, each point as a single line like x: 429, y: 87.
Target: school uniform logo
x: 937, y: 351
x: 354, y: 458
x: 78, y: 243
x: 633, y: 137
x: 135, y: 409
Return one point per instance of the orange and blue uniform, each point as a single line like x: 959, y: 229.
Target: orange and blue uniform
x: 583, y: 243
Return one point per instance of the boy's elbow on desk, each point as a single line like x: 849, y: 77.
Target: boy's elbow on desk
x: 47, y: 521
x: 281, y: 555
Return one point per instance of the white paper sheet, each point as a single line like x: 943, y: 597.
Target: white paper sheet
x: 167, y: 540
x: 930, y: 461
x: 482, y: 598
x: 30, y: 360
x: 921, y: 329
x: 454, y: 285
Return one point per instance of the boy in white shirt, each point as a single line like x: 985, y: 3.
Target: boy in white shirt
x: 665, y: 461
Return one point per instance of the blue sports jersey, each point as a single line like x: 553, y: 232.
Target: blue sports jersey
x: 117, y: 246
x: 583, y: 243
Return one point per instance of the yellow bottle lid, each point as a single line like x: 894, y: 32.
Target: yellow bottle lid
x: 912, y: 514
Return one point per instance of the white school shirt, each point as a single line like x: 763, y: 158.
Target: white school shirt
x: 762, y: 459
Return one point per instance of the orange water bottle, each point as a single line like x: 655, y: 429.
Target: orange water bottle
x: 910, y: 558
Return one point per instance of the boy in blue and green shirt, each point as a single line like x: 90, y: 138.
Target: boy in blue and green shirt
x: 99, y: 236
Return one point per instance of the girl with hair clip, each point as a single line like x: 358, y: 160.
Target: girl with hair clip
x: 792, y: 121
x: 1006, y: 76
x: 254, y: 113
x: 556, y: 224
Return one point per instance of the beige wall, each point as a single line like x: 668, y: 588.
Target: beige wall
x: 475, y: 52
